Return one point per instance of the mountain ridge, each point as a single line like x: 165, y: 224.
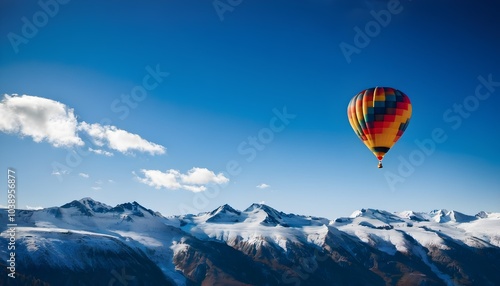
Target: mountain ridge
x: 102, y: 207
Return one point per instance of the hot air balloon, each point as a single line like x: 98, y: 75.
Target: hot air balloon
x: 379, y: 116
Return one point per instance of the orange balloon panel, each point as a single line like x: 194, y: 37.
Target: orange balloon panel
x: 379, y: 116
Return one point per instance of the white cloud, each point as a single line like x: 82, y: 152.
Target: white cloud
x: 201, y: 176
x: 39, y: 118
x: 263, y: 186
x: 194, y: 189
x: 48, y: 120
x: 159, y: 179
x: 96, y: 188
x: 119, y: 140
x: 84, y: 175
x: 195, y: 180
x: 101, y: 152
x: 60, y: 173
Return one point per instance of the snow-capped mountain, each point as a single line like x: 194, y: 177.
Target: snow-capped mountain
x: 86, y: 242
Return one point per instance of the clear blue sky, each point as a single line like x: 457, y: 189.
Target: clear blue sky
x: 209, y: 79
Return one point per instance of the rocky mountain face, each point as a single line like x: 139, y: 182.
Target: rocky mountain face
x: 86, y: 242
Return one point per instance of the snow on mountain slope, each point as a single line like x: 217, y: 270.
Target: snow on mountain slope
x: 375, y: 228
x: 450, y: 216
x: 130, y: 223
x: 224, y: 214
x: 440, y: 245
x: 89, y: 204
x: 77, y: 257
x: 484, y: 231
x: 414, y: 216
x: 385, y: 230
x: 254, y: 224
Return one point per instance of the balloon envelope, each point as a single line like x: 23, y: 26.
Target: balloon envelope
x: 379, y: 116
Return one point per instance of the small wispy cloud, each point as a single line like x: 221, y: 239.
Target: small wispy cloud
x: 101, y: 152
x: 60, y: 173
x: 96, y: 188
x: 84, y: 175
x: 119, y: 140
x: 263, y: 186
x: 195, y: 180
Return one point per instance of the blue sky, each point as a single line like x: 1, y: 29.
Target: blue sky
x: 187, y: 105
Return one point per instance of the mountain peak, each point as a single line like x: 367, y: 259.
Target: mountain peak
x: 134, y: 208
x: 85, y: 210
x: 87, y: 206
x: 224, y: 214
x: 482, y: 214
x: 443, y: 216
x: 270, y: 215
x: 224, y: 209
x: 438, y: 212
x: 94, y: 205
x: 414, y: 216
x: 258, y: 206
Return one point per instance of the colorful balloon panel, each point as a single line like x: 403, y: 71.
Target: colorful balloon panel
x: 379, y: 116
